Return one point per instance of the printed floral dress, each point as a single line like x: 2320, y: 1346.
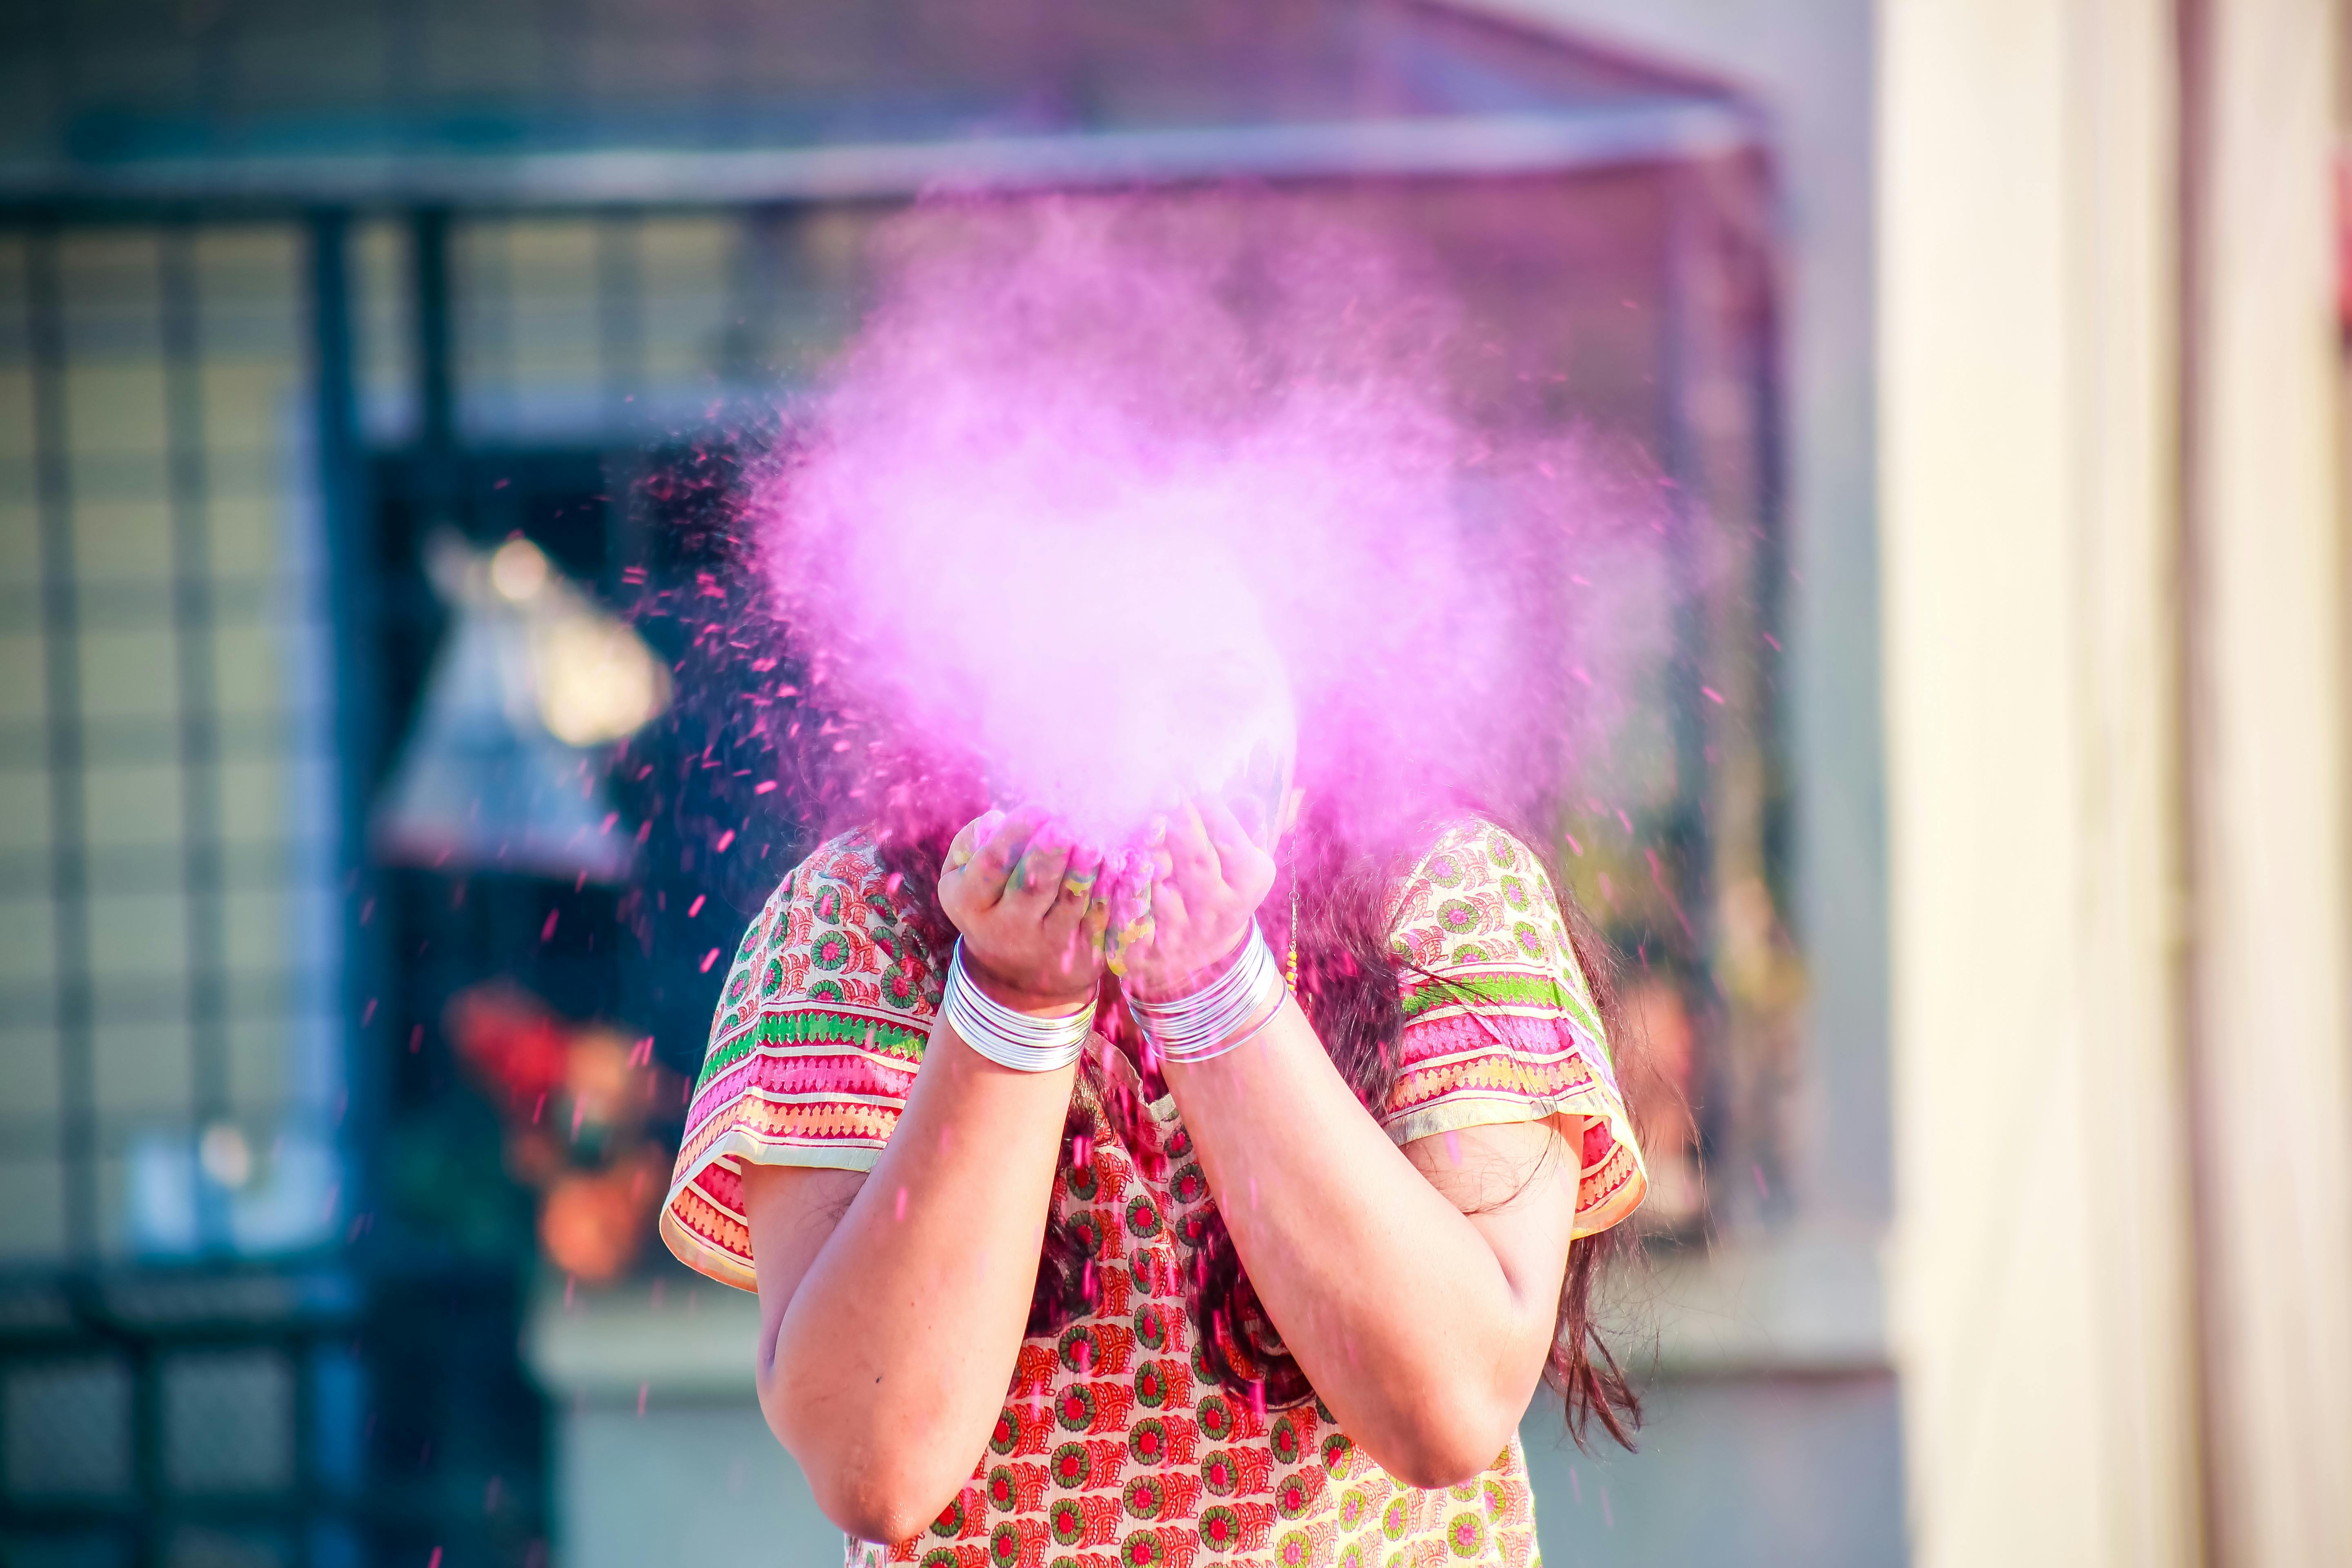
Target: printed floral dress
x: 1115, y: 1449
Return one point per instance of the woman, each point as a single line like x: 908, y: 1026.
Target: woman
x: 1252, y: 1252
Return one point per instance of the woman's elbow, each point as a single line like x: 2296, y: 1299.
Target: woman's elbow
x: 871, y: 1498
x: 1445, y: 1449
x: 877, y: 1508
x: 1433, y: 1467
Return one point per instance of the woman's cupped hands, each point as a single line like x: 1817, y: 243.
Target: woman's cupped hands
x: 1023, y: 892
x: 1186, y: 897
x: 1043, y: 913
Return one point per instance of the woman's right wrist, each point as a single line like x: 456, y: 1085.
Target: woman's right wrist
x: 1021, y: 998
x: 1008, y: 1033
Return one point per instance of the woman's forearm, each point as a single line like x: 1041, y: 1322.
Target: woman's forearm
x: 889, y: 1366
x: 1393, y: 1303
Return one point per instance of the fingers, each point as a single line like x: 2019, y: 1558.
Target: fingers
x: 1140, y: 881
x: 1248, y: 865
x: 1073, y: 929
x: 1079, y: 879
x: 1250, y: 814
x: 1036, y: 878
x: 1125, y: 898
x: 1256, y: 797
x: 1234, y: 844
x: 967, y: 841
x: 1192, y: 859
x: 981, y: 877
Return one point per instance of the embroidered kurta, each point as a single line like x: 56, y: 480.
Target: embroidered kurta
x: 1115, y: 1447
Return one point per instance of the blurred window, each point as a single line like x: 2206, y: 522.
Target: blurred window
x: 167, y: 878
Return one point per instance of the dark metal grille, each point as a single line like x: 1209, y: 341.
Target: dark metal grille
x: 179, y: 1421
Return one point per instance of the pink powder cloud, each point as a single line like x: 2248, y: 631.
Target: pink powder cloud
x: 1106, y: 489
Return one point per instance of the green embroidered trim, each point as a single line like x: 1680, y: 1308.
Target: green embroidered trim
x: 818, y: 1026
x: 1426, y: 995
x: 1587, y: 1016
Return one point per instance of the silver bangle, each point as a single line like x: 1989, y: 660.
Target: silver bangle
x: 1022, y: 1041
x: 1220, y: 1016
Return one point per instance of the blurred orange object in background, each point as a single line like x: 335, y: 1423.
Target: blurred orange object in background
x: 575, y: 1100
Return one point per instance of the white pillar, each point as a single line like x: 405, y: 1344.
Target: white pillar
x: 2268, y: 791
x: 2042, y: 1287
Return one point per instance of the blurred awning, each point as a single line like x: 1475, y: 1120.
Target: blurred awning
x: 524, y: 102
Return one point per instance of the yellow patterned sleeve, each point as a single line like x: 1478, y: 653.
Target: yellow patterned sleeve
x: 1499, y: 1021
x: 812, y: 1049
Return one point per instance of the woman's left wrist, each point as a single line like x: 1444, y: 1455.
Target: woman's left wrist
x: 1137, y: 989
x: 1214, y: 1015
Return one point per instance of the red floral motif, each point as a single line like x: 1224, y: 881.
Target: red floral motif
x: 1306, y: 1544
x: 1257, y: 1521
x: 1114, y: 1403
x: 1033, y: 1369
x: 1295, y: 1494
x: 963, y: 1554
x: 1244, y: 1471
x: 1113, y: 1174
x: 1181, y: 1497
x: 1096, y: 1347
x: 1183, y: 1439
x: 1154, y: 1381
x: 1115, y: 1287
x: 1220, y: 1530
x: 1035, y: 1429
x: 1105, y: 1520
x: 1017, y: 1489
x: 1107, y: 1457
x: 1018, y: 1544
x: 1070, y: 1468
x: 1224, y: 1420
x: 1160, y: 1546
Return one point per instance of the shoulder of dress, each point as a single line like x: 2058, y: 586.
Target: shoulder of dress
x: 844, y: 856
x: 850, y: 860
x: 843, y: 882
x: 841, y: 876
x: 1461, y: 853
x: 1477, y: 892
